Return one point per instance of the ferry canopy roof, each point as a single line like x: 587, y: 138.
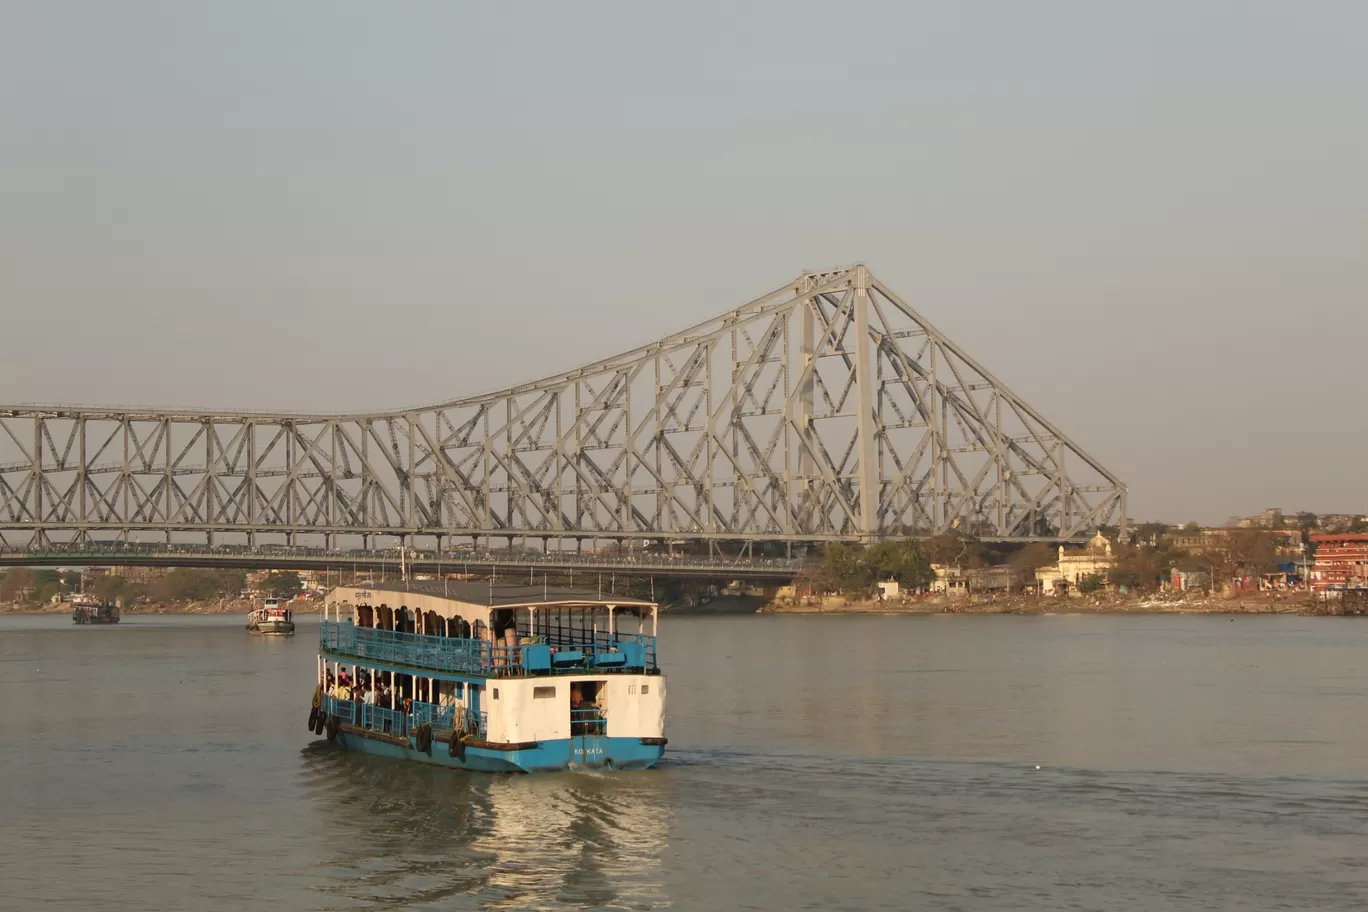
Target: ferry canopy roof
x: 475, y: 599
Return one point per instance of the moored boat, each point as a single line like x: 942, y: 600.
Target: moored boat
x: 489, y: 677
x: 87, y: 610
x: 272, y: 619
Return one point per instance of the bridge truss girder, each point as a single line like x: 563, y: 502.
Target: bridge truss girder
x: 826, y: 410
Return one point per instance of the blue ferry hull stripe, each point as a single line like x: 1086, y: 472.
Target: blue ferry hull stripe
x: 547, y: 756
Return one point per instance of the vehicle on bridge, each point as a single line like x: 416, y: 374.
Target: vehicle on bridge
x: 492, y: 677
x: 271, y: 619
x: 89, y: 610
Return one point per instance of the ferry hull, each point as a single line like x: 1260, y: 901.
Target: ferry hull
x: 588, y: 752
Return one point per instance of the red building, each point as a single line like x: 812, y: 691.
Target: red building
x: 1341, y: 561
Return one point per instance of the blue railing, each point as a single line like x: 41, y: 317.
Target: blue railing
x: 443, y: 717
x: 384, y: 720
x: 396, y: 722
x: 411, y: 649
x: 600, y: 651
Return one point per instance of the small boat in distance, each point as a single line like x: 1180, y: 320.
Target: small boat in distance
x: 271, y: 620
x: 89, y: 610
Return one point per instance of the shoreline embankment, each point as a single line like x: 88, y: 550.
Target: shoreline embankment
x: 207, y: 606
x: 1278, y: 602
x: 1269, y: 602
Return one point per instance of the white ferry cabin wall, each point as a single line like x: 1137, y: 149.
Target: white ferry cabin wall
x: 500, y: 678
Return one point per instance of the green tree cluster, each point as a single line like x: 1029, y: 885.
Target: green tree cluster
x: 1091, y: 583
x: 112, y: 588
x: 902, y: 560
x: 283, y: 584
x: 953, y: 550
x: 16, y: 584
x: 1034, y: 555
x: 196, y: 585
x: 36, y: 586
x: 854, y: 569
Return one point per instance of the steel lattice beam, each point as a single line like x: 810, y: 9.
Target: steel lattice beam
x: 826, y: 410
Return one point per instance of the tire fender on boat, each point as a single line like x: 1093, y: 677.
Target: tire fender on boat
x: 332, y: 725
x: 313, y: 718
x: 456, y: 746
x: 423, y: 737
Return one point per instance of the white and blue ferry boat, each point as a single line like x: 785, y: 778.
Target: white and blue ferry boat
x: 493, y: 677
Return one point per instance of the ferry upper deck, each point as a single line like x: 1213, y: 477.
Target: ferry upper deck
x: 490, y: 629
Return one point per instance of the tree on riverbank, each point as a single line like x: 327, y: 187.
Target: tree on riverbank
x: 952, y: 549
x: 196, y: 585
x: 112, y: 588
x: 283, y: 584
x: 854, y: 568
x: 902, y: 560
x: 1032, y: 556
x: 15, y: 584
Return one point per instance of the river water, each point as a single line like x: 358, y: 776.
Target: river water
x: 1000, y: 763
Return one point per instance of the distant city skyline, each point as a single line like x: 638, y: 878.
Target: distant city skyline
x: 1148, y: 220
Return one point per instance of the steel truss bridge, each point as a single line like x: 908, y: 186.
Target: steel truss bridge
x: 826, y: 410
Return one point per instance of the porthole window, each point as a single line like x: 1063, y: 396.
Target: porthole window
x: 543, y: 693
x: 496, y: 693
x: 645, y: 688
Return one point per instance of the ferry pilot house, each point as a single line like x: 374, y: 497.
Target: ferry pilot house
x: 526, y: 675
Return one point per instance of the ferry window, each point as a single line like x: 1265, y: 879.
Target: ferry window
x: 631, y: 688
x: 543, y: 693
x: 645, y: 688
x: 496, y: 693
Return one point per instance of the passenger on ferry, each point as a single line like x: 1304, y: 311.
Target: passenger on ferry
x: 576, y: 704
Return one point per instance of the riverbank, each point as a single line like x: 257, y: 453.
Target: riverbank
x: 1102, y: 603
x: 210, y: 606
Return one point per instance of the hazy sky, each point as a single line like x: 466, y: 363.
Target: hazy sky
x: 1150, y: 219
